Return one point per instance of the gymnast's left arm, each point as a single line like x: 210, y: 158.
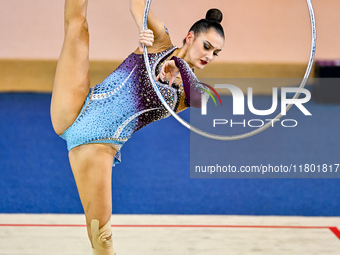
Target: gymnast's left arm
x: 194, y: 89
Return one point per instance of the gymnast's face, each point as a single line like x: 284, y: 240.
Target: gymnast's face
x: 204, y: 48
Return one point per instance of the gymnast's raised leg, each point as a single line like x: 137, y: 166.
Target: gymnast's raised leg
x: 72, y: 81
x: 91, y: 163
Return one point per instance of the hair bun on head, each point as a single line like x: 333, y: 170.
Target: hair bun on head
x: 214, y: 15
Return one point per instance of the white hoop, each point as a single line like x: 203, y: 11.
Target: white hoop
x: 240, y: 136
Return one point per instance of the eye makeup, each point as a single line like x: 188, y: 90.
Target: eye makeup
x: 207, y: 46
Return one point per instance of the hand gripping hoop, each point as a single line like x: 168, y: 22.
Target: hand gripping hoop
x: 240, y: 136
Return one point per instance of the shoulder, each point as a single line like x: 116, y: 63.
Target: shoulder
x: 162, y: 40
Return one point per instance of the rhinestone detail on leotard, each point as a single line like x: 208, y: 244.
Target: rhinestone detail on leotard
x: 122, y: 104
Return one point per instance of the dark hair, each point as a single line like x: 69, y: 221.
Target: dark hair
x: 212, y: 19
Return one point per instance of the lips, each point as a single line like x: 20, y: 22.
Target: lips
x: 203, y: 62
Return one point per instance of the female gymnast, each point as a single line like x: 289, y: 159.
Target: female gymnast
x: 96, y: 122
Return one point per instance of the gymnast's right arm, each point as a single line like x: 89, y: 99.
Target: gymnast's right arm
x: 156, y: 33
x: 137, y: 11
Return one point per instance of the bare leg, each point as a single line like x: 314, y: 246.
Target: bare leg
x: 91, y: 163
x: 92, y: 169
x: 72, y: 81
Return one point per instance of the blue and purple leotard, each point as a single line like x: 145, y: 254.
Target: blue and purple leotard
x: 126, y: 101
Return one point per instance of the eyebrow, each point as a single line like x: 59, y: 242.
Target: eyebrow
x: 211, y: 45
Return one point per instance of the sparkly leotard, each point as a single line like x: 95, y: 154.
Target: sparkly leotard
x: 123, y: 103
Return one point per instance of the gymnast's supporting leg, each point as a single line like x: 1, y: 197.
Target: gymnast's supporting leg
x: 92, y: 169
x: 92, y: 163
x: 102, y: 238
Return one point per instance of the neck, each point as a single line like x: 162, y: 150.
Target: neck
x: 182, y: 53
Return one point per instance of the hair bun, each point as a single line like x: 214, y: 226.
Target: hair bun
x: 214, y: 15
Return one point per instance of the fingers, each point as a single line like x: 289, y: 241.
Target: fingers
x: 146, y: 33
x: 162, y: 74
x: 141, y: 49
x: 161, y: 77
x: 146, y: 37
x: 172, y: 80
x: 167, y: 68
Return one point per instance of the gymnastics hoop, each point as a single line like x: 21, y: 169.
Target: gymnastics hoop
x: 244, y: 135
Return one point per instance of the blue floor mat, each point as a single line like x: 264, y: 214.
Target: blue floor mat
x: 154, y: 176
